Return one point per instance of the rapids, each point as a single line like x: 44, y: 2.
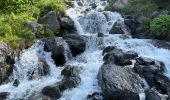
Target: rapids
x: 88, y: 22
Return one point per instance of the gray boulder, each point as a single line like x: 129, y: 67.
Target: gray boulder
x: 76, y: 43
x: 152, y: 94
x: 116, y: 29
x: 58, y: 47
x: 50, y: 19
x: 7, y: 60
x: 119, y: 83
x: 119, y: 4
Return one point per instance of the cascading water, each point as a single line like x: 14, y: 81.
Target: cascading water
x: 88, y: 22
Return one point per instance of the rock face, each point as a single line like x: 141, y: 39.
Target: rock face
x: 7, y: 60
x: 147, y: 68
x: 51, y: 20
x: 71, y: 79
x: 152, y: 94
x: 116, y: 29
x: 119, y: 83
x: 4, y: 95
x: 117, y: 56
x: 76, y: 43
x: 57, y: 47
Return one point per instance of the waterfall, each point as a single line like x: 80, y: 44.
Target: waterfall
x: 88, y: 22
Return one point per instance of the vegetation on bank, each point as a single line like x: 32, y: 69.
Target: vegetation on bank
x: 158, y: 25
x: 15, y: 14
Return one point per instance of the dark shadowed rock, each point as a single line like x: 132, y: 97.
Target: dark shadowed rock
x: 71, y: 82
x: 70, y: 71
x: 108, y: 49
x: 93, y: 6
x: 51, y: 20
x: 4, y: 95
x: 100, y: 35
x: 116, y: 29
x: 7, y: 60
x: 119, y: 83
x: 52, y: 92
x: 130, y: 55
x: 16, y: 83
x: 76, y: 43
x: 95, y: 96
x: 57, y: 47
x: 66, y: 23
x: 152, y: 94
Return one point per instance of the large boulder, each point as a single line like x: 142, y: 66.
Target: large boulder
x: 119, y: 83
x: 58, y: 47
x: 51, y: 20
x: 7, y: 60
x: 70, y: 80
x: 76, y: 43
x: 116, y: 29
x: 147, y: 68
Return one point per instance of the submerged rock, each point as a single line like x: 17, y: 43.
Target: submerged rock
x: 76, y: 43
x: 95, y: 96
x: 58, y: 47
x: 7, y: 60
x: 119, y: 83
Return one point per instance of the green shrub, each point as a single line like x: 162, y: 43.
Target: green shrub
x: 145, y: 22
x: 13, y: 28
x: 160, y: 25
x: 140, y: 7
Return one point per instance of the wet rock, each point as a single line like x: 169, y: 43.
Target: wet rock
x: 95, y: 96
x: 66, y: 23
x: 16, y: 83
x: 152, y: 94
x: 108, y: 49
x: 7, y: 60
x: 130, y: 55
x: 70, y: 71
x: 100, y: 35
x: 116, y: 29
x: 163, y: 82
x: 79, y: 3
x: 52, y: 92
x: 144, y: 61
x: 93, y: 6
x: 57, y: 47
x: 71, y: 82
x: 51, y: 20
x: 76, y: 43
x: 119, y: 83
x: 4, y: 95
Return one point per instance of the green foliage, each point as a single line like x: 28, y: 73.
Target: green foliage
x: 145, y: 22
x: 110, y: 5
x: 160, y: 25
x: 139, y: 7
x: 13, y: 29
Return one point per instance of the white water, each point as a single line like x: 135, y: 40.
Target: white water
x: 90, y: 61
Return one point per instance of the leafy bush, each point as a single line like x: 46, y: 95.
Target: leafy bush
x: 140, y: 7
x: 160, y: 25
x: 13, y: 29
x: 145, y: 22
